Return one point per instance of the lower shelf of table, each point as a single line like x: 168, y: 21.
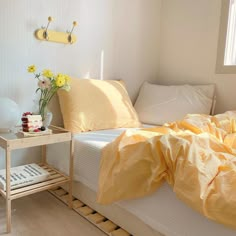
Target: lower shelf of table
x: 55, y: 179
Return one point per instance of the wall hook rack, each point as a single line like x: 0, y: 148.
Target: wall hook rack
x: 55, y: 36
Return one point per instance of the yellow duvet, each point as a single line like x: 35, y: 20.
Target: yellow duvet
x: 196, y: 156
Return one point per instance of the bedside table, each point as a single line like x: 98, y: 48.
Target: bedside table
x: 11, y: 141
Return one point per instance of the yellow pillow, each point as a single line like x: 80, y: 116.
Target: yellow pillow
x: 96, y: 104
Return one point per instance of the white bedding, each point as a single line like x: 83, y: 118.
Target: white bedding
x: 162, y: 210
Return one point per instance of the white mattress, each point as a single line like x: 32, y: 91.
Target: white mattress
x: 161, y: 210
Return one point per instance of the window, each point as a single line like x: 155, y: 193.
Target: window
x: 230, y: 44
x: 226, y: 58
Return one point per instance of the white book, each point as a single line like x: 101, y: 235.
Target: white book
x: 24, y: 175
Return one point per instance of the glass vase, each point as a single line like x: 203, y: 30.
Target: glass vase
x: 46, y: 116
x: 41, y: 108
x: 47, y: 119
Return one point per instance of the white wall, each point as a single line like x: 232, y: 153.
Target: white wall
x: 19, y: 48
x: 126, y: 32
x: 189, y: 37
x: 136, y: 41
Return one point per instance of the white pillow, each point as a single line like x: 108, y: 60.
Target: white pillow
x: 158, y: 104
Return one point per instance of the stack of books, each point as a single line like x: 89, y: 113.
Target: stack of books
x: 24, y: 175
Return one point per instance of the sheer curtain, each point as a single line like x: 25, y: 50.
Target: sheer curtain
x: 230, y: 47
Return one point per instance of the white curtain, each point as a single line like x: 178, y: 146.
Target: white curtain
x: 230, y: 48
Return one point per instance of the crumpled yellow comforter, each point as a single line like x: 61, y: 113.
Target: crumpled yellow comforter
x: 196, y: 156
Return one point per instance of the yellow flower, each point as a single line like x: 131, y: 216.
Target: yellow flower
x: 47, y: 73
x: 32, y: 69
x: 60, y: 80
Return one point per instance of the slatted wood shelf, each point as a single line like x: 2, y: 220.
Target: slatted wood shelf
x: 55, y: 179
x: 100, y: 221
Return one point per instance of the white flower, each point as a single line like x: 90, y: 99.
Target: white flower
x: 66, y: 87
x: 45, y: 83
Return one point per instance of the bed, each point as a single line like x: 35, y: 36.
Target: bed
x: 160, y: 213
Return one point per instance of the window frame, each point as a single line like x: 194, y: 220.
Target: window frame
x: 220, y: 67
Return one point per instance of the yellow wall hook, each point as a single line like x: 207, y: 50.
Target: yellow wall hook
x: 70, y: 40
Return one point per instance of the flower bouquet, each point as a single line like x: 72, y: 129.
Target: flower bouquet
x: 48, y: 84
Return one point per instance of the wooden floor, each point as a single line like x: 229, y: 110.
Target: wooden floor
x: 42, y: 214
